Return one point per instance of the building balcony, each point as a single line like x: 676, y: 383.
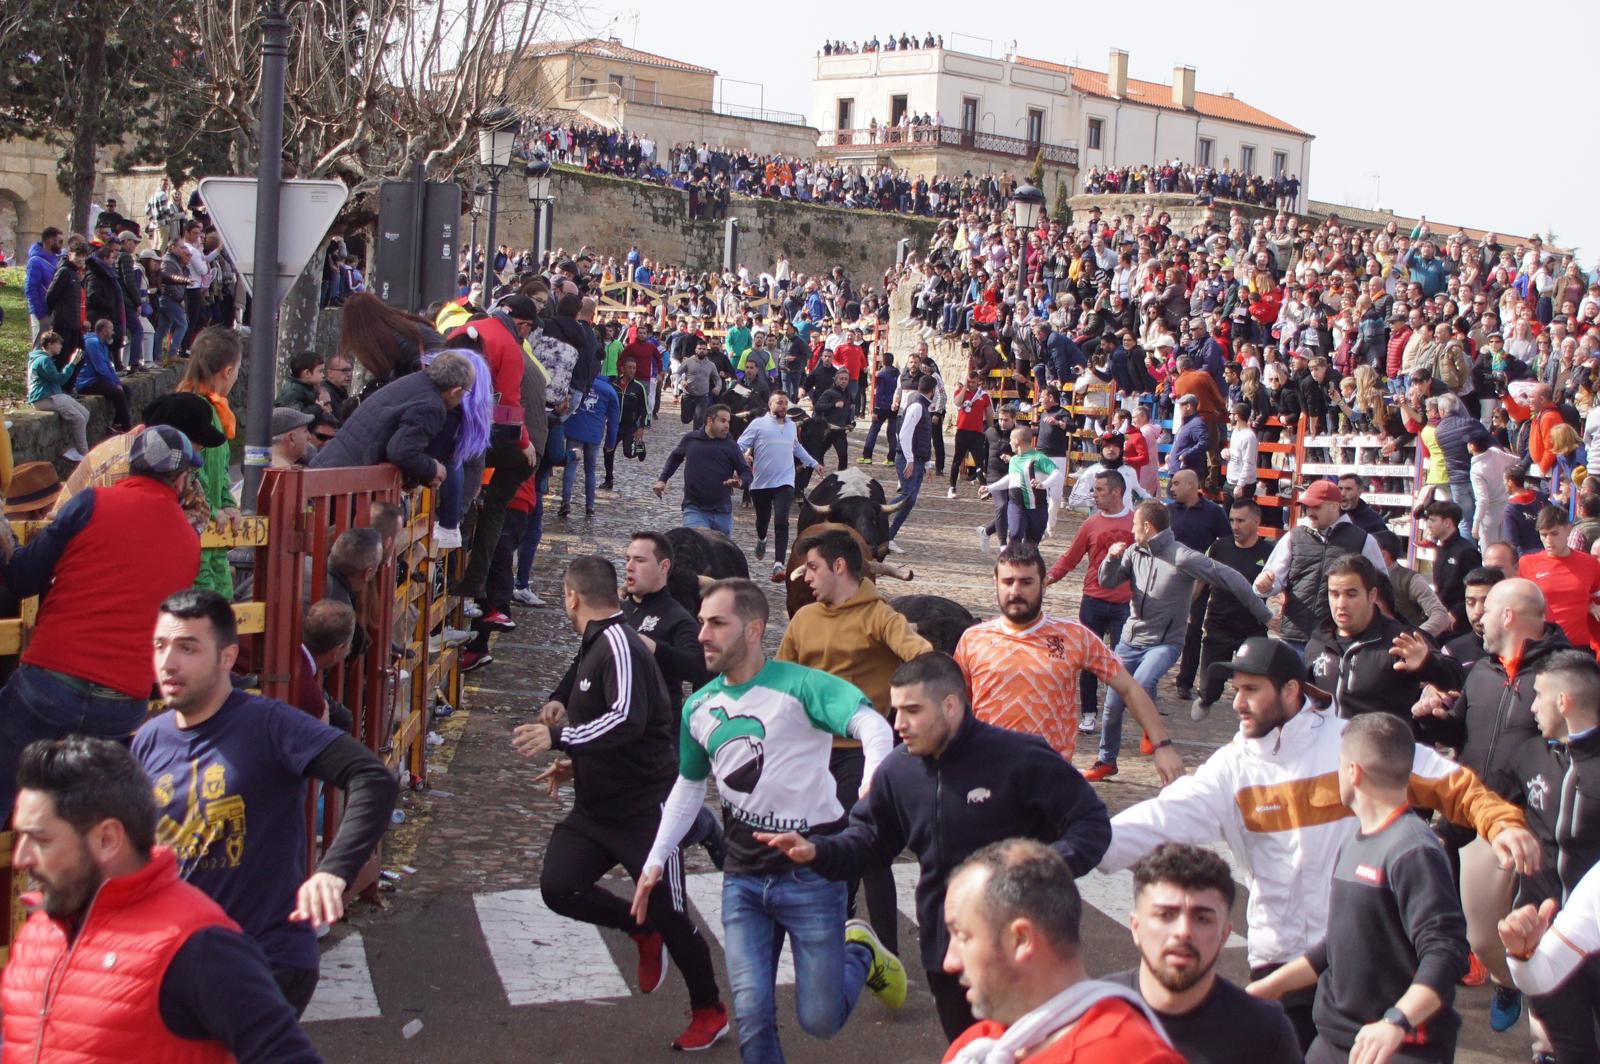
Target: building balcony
x: 891, y: 139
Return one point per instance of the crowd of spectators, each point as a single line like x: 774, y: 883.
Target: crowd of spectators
x: 1281, y: 191
x: 891, y: 43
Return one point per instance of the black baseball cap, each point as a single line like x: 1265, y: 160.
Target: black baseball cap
x: 1272, y: 658
x: 520, y: 307
x: 189, y: 413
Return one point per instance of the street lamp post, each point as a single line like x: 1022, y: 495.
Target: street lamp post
x: 496, y: 138
x: 539, y: 195
x: 477, y: 212
x: 1027, y: 207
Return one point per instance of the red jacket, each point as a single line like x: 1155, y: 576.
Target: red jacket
x: 103, y: 990
x: 1394, y: 355
x: 99, y: 551
x: 502, y: 350
x: 1135, y: 450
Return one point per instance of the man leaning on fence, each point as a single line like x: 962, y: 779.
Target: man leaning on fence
x: 108, y: 559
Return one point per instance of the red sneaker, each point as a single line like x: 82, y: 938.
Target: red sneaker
x: 707, y: 1027
x: 1146, y: 747
x: 497, y: 620
x: 1099, y: 771
x: 652, y: 961
x: 1476, y: 975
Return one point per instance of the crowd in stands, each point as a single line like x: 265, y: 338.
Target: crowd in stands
x: 1281, y: 191
x: 890, y: 43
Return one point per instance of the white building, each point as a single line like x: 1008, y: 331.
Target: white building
x: 998, y: 114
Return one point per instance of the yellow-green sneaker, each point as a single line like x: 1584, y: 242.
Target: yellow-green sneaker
x: 887, y: 976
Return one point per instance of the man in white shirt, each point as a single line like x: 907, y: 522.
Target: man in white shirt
x: 199, y: 280
x: 1489, y: 493
x: 1242, y: 455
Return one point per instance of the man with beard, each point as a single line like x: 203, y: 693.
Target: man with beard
x: 220, y: 755
x: 1182, y: 897
x: 85, y: 826
x: 1029, y: 791
x: 1467, y: 647
x: 1023, y: 666
x: 772, y: 447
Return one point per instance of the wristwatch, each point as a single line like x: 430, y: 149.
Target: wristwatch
x: 1398, y: 1018
x: 1162, y: 743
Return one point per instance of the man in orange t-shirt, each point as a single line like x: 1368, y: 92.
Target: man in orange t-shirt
x: 1013, y: 912
x: 1570, y: 580
x: 1023, y: 666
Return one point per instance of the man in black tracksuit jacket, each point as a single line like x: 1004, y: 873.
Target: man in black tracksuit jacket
x: 955, y: 785
x: 612, y: 716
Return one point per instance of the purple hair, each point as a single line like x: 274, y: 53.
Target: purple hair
x: 477, y: 410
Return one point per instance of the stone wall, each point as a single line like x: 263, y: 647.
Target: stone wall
x: 611, y: 214
x: 31, y: 199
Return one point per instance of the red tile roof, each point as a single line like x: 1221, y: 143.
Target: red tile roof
x: 605, y: 49
x: 1159, y: 94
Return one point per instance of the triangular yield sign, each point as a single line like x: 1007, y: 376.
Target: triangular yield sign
x: 307, y: 209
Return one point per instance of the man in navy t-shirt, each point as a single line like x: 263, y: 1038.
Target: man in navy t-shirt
x: 230, y: 773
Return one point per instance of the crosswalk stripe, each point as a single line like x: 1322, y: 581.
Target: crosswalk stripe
x: 705, y: 891
x: 542, y: 957
x: 344, y: 991
x: 905, y: 889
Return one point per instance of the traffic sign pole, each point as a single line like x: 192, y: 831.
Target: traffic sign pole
x: 263, y: 367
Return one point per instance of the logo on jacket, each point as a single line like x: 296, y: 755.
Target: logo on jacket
x: 1368, y: 874
x: 648, y: 624
x: 1323, y: 666
x: 1538, y: 791
x: 740, y: 764
x: 583, y: 685
x: 978, y: 794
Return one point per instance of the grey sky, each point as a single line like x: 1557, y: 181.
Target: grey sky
x: 1468, y: 112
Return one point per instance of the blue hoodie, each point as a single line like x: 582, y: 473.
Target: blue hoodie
x: 41, y: 268
x: 96, y: 365
x: 596, y: 416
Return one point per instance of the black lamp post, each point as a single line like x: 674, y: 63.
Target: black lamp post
x: 497, y: 136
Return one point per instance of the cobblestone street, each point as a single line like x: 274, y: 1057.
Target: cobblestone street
x: 461, y: 962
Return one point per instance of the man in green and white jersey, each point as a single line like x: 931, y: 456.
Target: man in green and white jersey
x: 765, y: 729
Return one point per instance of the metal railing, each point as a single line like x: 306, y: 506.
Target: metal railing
x: 903, y: 138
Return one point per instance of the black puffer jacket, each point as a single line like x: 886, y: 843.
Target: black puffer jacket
x: 1494, y: 714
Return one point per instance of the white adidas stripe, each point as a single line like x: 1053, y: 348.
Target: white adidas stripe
x: 543, y: 958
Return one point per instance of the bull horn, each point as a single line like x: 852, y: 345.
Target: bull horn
x: 824, y: 510
x: 892, y: 507
x: 898, y: 572
x: 705, y: 581
x: 798, y: 574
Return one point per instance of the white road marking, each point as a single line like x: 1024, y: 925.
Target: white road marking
x: 344, y: 992
x: 905, y: 889
x: 542, y: 957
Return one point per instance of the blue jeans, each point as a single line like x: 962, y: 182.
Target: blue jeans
x: 911, y: 474
x: 756, y: 912
x: 133, y: 354
x: 718, y: 520
x: 172, y: 320
x: 1148, y: 665
x: 1461, y: 495
x: 530, y: 539
x: 1104, y: 619
x: 591, y: 457
x: 880, y: 418
x: 36, y: 704
x: 447, y: 512
x: 792, y: 379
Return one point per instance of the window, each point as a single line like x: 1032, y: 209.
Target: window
x: 1247, y: 158
x: 897, y: 109
x: 585, y: 87
x: 1097, y: 127
x: 1280, y: 163
x: 1207, y: 146
x: 846, y: 114
x: 969, y: 114
x: 1035, y: 126
x: 614, y: 83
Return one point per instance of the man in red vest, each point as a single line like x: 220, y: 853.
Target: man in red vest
x: 122, y: 960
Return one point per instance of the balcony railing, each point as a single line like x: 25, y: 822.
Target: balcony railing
x: 913, y: 138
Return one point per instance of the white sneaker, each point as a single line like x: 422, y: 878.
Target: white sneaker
x: 777, y: 571
x: 446, y: 538
x: 525, y: 596
x: 1199, y: 710
x: 454, y: 637
x: 950, y: 494
x: 471, y: 609
x: 1089, y: 723
x: 73, y: 455
x: 984, y: 540
x: 895, y: 548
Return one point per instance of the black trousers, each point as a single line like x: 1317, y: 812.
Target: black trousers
x: 936, y: 422
x: 511, y: 468
x: 772, y: 506
x: 1219, y: 647
x: 297, y: 985
x: 583, y: 849
x: 117, y: 396
x: 950, y: 1002
x: 839, y: 440
x: 968, y: 442
x: 847, y: 765
x: 1569, y: 1014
